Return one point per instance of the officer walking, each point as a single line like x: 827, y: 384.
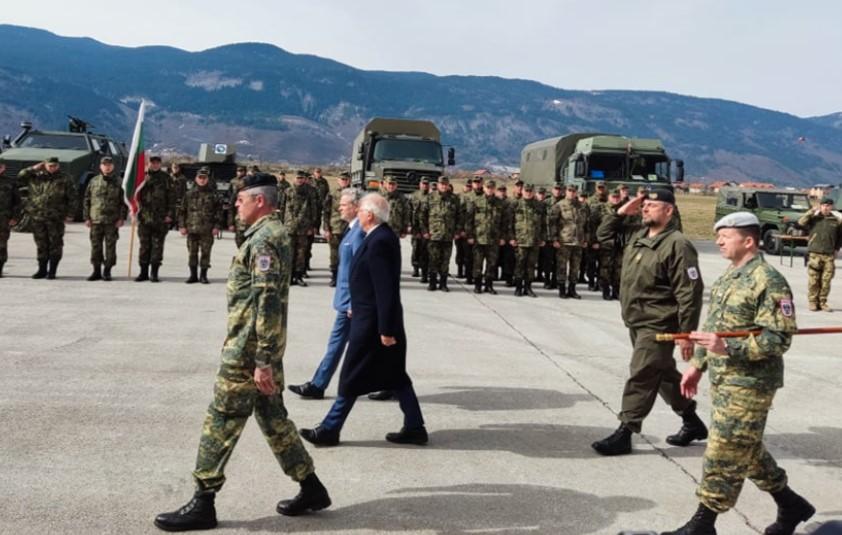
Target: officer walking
x: 334, y: 224
x: 420, y: 260
x: 438, y: 225
x: 157, y: 211
x: 10, y: 207
x: 483, y: 234
x: 199, y: 220
x: 745, y: 373
x: 567, y: 229
x: 825, y: 241
x: 104, y: 212
x: 528, y: 233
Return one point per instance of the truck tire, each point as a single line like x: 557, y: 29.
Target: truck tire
x: 770, y: 244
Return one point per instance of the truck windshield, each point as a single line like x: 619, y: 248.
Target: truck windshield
x: 408, y: 150
x: 47, y: 141
x: 783, y: 201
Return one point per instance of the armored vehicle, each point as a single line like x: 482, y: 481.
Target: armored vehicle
x: 404, y: 148
x: 777, y: 209
x: 585, y: 158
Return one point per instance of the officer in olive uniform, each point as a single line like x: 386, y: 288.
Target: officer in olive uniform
x: 661, y: 292
x: 199, y: 219
x: 399, y: 209
x: 235, y: 225
x: 300, y: 214
x: 825, y: 241
x: 156, y: 201
x: 438, y: 225
x: 420, y: 259
x: 745, y: 373
x: 10, y: 207
x: 51, y: 200
x: 483, y: 233
x: 567, y: 229
x: 251, y: 376
x: 104, y: 211
x: 333, y: 224
x: 527, y: 234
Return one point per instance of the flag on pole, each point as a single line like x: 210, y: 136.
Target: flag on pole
x: 136, y: 164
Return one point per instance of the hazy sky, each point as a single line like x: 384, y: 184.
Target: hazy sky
x: 780, y: 54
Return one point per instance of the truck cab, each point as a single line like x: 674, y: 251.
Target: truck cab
x: 778, y: 211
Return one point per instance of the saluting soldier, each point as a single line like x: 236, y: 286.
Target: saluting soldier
x: 420, y: 259
x: 528, y: 233
x: 199, y: 220
x: 745, y: 373
x: 10, y: 207
x: 234, y: 224
x: 399, y: 209
x: 438, y: 226
x: 824, y: 242
x: 334, y: 225
x: 483, y: 233
x: 567, y: 229
x: 157, y: 211
x: 300, y: 212
x: 661, y: 292
x: 50, y: 202
x: 104, y: 211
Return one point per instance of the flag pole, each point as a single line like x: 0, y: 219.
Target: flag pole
x: 134, y: 177
x: 131, y: 244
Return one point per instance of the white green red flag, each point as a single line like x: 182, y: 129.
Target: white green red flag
x: 135, y: 172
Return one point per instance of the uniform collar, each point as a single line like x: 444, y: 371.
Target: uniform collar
x: 747, y: 268
x: 653, y: 243
x: 259, y: 223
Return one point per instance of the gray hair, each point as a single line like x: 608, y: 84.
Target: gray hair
x: 353, y: 194
x: 269, y: 194
x: 377, y: 205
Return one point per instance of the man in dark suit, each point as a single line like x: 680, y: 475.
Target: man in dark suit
x: 376, y: 355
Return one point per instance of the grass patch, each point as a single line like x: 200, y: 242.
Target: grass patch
x: 697, y: 215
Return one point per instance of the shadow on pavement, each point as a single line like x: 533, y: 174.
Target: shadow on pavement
x: 822, y: 446
x: 503, y: 398
x: 463, y: 509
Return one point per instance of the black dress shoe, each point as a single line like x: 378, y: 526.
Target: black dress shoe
x: 321, y: 436
x: 383, y: 395
x: 313, y: 497
x: 417, y: 436
x: 199, y: 513
x: 307, y: 390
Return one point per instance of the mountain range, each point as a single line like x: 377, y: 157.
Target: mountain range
x: 279, y: 106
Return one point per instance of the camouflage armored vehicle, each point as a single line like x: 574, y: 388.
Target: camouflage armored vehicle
x: 78, y: 150
x: 406, y: 149
x: 582, y: 159
x: 777, y: 209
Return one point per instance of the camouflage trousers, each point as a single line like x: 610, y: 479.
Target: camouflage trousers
x: 104, y: 234
x: 5, y: 232
x: 49, y: 238
x: 439, y: 254
x: 735, y: 448
x: 196, y: 243
x: 299, y: 253
x: 485, y: 254
x: 569, y: 258
x: 420, y: 252
x: 235, y: 398
x: 333, y: 243
x: 152, y: 237
x: 820, y: 270
x: 526, y: 258
x: 609, y: 268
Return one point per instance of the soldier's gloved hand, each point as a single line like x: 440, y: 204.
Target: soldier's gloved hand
x: 264, y: 381
x: 182, y: 231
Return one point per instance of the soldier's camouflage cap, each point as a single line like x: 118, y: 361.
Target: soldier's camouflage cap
x: 542, y: 189
x: 258, y: 180
x: 444, y: 180
x: 518, y: 182
x: 424, y: 180
x: 476, y: 179
x: 490, y: 184
x: 571, y: 187
x: 663, y: 195
x: 345, y: 175
x: 204, y: 171
x: 154, y: 158
x: 390, y: 180
x: 106, y: 159
x: 558, y: 185
x: 737, y: 220
x: 529, y: 187
x: 52, y: 159
x: 826, y: 200
x: 300, y: 173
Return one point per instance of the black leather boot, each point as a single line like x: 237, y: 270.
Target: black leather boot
x: 415, y: 272
x: 527, y: 289
x: 199, y: 513
x: 96, y: 275
x: 571, y: 292
x: 424, y: 276
x: 53, y: 269
x: 548, y: 281
x: 312, y: 497
x: 460, y: 271
x: 792, y: 510
x: 489, y: 287
x: 144, y: 273
x: 106, y: 273
x: 518, y: 288
x: 432, y: 287
x: 615, y: 292
x: 154, y: 273
x: 299, y: 280
x: 702, y: 523
x: 42, y: 270
x: 618, y: 443
x: 477, y: 285
x: 443, y: 283
x: 193, y: 276
x: 606, y: 292
x: 203, y: 276
x: 1, y: 269
x: 692, y: 428
x: 562, y: 290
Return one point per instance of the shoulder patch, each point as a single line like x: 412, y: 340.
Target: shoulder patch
x: 787, y: 308
x: 693, y: 273
x: 264, y: 262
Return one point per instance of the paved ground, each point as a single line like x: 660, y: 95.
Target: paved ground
x: 104, y: 388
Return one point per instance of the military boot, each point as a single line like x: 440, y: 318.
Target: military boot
x: 154, y: 273
x: 792, y: 510
x: 489, y: 286
x: 548, y: 281
x: 469, y: 278
x: 332, y: 282
x: 460, y: 271
x: 144, y: 273
x: 432, y: 286
x: 702, y: 523
x: 615, y: 292
x: 312, y: 497
x: 477, y: 285
x: 193, y: 276
x: 562, y: 290
x: 203, y: 276
x: 571, y: 292
x: 618, y: 443
x: 553, y: 281
x: 415, y: 272
x: 1, y: 268
x: 518, y: 288
x: 42, y: 270
x: 527, y: 289
x: 443, y: 283
x: 96, y: 274
x: 53, y: 269
x: 424, y: 277
x: 692, y: 429
x: 106, y: 273
x: 199, y: 513
x: 606, y: 292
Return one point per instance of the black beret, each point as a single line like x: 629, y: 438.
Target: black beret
x: 258, y: 180
x: 663, y: 195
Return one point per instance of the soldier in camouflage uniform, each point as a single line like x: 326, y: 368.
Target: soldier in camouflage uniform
x: 300, y: 214
x: 334, y: 225
x: 104, y: 211
x: 461, y: 244
x: 745, y: 373
x: 10, y: 207
x: 483, y: 233
x: 321, y: 191
x: 51, y: 200
x: 567, y: 222
x: 180, y: 185
x: 620, y: 224
x: 438, y: 220
x: 283, y: 183
x: 234, y: 224
x: 590, y: 256
x: 610, y: 248
x: 251, y: 376
x: 825, y: 241
x: 548, y: 253
x: 527, y: 234
x: 420, y: 259
x: 399, y: 209
x: 156, y: 212
x: 507, y: 252
x: 199, y: 219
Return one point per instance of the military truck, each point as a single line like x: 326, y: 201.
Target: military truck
x: 777, y: 209
x: 78, y: 151
x: 583, y: 159
x: 406, y: 149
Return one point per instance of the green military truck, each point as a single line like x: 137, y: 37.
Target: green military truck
x: 777, y: 209
x: 583, y: 159
x: 404, y: 148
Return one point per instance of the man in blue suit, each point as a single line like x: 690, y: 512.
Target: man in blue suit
x: 376, y: 356
x: 351, y: 241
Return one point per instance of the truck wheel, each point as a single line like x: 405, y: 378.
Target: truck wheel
x: 771, y: 244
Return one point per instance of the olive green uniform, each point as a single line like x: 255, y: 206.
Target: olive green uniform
x: 744, y: 382
x: 51, y: 198
x: 258, y: 291
x: 825, y: 240
x: 567, y: 226
x: 482, y: 224
x: 661, y: 291
x: 233, y: 219
x: 157, y: 202
x: 200, y: 214
x: 439, y: 219
x: 10, y: 207
x: 529, y: 229
x: 104, y: 207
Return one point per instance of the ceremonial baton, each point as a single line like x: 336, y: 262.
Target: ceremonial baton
x: 671, y: 337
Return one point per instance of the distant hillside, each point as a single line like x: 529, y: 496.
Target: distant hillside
x: 301, y: 108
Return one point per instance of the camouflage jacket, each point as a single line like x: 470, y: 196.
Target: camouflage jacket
x: 330, y: 215
x: 439, y: 216
x: 596, y: 207
x: 104, y: 202
x: 200, y: 211
x: 416, y: 199
x: 283, y: 185
x: 179, y: 187
x: 49, y: 196
x: 300, y: 209
x: 567, y: 222
x: 825, y: 232
x: 234, y: 186
x: 10, y: 201
x: 482, y: 222
x: 258, y: 292
x: 156, y: 198
x: 753, y: 296
x: 529, y: 226
x: 399, y: 212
